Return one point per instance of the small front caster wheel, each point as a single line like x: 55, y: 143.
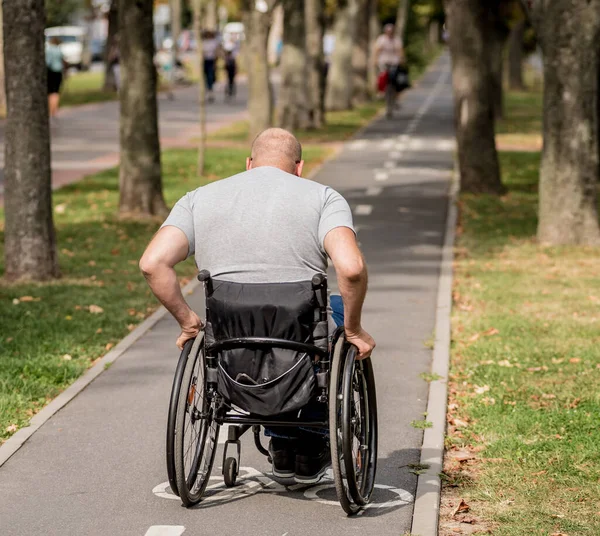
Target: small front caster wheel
x: 230, y: 472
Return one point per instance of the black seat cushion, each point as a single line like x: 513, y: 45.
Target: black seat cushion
x: 267, y: 381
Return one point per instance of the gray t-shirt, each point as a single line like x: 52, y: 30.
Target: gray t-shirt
x: 260, y: 226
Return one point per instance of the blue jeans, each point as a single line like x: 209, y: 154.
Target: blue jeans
x: 313, y: 411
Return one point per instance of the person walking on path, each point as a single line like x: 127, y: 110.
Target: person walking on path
x: 55, y: 64
x: 210, y: 52
x: 389, y: 59
x: 279, y: 228
x: 231, y: 70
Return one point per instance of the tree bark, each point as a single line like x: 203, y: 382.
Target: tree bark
x: 402, y: 18
x: 340, y: 78
x: 374, y: 31
x: 569, y: 35
x: 140, y: 181
x: 260, y: 91
x: 360, y: 55
x: 175, y: 27
x: 211, y: 21
x: 515, y: 56
x: 110, y: 83
x: 496, y: 42
x: 468, y: 25
x: 315, y: 30
x: 293, y: 101
x: 197, y: 8
x: 29, y: 239
x: 2, y: 76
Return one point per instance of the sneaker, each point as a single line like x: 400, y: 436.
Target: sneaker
x: 283, y: 457
x: 312, y: 463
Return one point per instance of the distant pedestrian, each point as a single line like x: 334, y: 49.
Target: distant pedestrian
x: 114, y: 57
x: 390, y: 62
x: 231, y: 70
x: 210, y: 52
x: 55, y: 65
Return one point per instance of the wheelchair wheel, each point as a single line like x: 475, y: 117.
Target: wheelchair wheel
x: 230, y: 472
x: 173, y: 413
x: 359, y: 427
x: 196, y: 431
x: 353, y: 427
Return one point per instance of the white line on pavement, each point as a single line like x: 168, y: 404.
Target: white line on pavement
x: 381, y: 176
x: 363, y: 210
x: 389, y: 164
x: 395, y: 155
x: 165, y: 530
x: 373, y: 191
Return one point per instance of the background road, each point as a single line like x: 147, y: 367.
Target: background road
x: 97, y: 467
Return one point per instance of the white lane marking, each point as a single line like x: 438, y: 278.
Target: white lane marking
x: 387, y: 144
x: 403, y: 497
x: 223, y: 434
x: 421, y: 171
x: 395, y: 155
x: 358, y: 145
x: 381, y: 176
x: 373, y: 191
x: 363, y: 210
x: 165, y: 530
x: 389, y: 164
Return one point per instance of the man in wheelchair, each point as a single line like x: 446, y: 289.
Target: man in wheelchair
x: 266, y: 225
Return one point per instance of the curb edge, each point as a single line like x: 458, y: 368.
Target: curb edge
x: 16, y: 441
x: 427, y: 499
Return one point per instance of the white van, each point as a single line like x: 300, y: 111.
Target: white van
x: 73, y: 44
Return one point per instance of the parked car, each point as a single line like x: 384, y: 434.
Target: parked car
x: 73, y: 44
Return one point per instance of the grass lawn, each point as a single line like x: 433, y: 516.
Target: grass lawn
x: 85, y: 88
x: 524, y: 402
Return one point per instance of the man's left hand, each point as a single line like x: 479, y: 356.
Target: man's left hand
x: 189, y: 330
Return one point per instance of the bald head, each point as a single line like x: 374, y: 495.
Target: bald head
x: 278, y: 148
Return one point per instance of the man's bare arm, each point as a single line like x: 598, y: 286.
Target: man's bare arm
x: 169, y: 247
x: 340, y: 244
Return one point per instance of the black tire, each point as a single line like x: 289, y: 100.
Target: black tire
x: 340, y: 354
x: 359, y: 427
x: 195, y: 451
x: 173, y: 413
x: 230, y: 472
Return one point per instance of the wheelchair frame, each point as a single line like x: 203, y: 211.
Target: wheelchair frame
x: 354, y: 472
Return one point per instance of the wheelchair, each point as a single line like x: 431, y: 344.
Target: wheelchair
x: 264, y: 353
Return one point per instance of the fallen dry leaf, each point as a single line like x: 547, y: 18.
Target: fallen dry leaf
x: 67, y: 252
x: 99, y: 330
x: 483, y: 389
x: 109, y: 346
x: 459, y: 424
x: 462, y: 508
x: 573, y: 360
x: 490, y: 332
x: 12, y: 428
x: 95, y: 309
x: 29, y: 299
x: 92, y: 263
x: 60, y: 209
x: 67, y: 357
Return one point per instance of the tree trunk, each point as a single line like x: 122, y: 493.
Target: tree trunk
x: 496, y: 42
x: 515, y: 56
x: 402, y: 18
x: 211, y: 20
x: 260, y: 92
x: 29, y: 239
x: 110, y: 84
x: 197, y: 7
x: 340, y: 77
x: 2, y: 77
x: 360, y: 55
x: 569, y: 35
x: 374, y: 31
x: 175, y: 27
x: 315, y: 29
x: 468, y: 25
x: 140, y: 181
x: 293, y: 101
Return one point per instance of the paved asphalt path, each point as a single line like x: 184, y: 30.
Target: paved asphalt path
x: 97, y: 467
x: 85, y: 139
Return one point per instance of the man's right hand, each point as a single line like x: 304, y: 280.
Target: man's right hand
x: 189, y: 330
x: 362, y: 340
